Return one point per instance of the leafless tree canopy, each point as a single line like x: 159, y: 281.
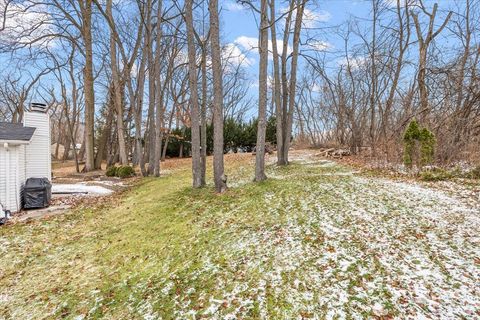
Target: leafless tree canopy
x: 125, y: 80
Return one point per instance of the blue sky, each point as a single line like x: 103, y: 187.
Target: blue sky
x: 239, y: 29
x: 239, y: 24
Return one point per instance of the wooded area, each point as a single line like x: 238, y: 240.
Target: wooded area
x: 135, y: 81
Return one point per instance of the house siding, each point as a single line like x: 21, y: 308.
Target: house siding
x: 3, y: 176
x: 21, y: 162
x: 10, y: 168
x: 21, y: 170
x: 38, y: 154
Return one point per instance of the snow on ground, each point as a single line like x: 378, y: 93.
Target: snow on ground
x: 111, y: 183
x: 80, y: 188
x: 347, y: 246
x: 316, y: 241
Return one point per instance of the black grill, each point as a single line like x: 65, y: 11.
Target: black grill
x: 37, y: 193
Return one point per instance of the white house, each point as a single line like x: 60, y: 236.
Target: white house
x: 24, y: 153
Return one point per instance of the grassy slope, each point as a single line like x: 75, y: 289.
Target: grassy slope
x: 313, y: 240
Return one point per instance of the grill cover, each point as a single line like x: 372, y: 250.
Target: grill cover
x: 37, y: 193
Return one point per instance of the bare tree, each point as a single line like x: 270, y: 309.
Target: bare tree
x: 277, y: 88
x: 194, y: 113
x: 159, y: 93
x: 293, y: 78
x: 218, y: 167
x: 285, y: 87
x: 88, y: 78
x: 117, y: 90
x: 262, y: 93
x: 423, y: 45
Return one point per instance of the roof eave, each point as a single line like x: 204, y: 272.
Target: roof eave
x: 14, y: 142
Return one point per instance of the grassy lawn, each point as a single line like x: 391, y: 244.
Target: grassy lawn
x: 314, y: 241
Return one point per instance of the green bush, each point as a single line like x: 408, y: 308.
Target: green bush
x: 474, y: 173
x: 437, y: 174
x: 419, y: 145
x: 237, y: 134
x: 111, y: 171
x: 125, y: 172
x: 120, y: 172
x: 412, y: 132
x: 410, y: 138
x: 427, y: 146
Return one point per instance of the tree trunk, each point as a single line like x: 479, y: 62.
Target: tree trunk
x: 203, y: 124
x: 151, y: 90
x: 106, y: 130
x: 218, y: 166
x: 262, y: 94
x: 404, y: 41
x: 88, y: 85
x: 117, y: 91
x: 159, y: 95
x: 281, y: 160
x: 194, y: 114
x: 277, y: 87
x: 81, y: 152
x: 423, y: 45
x: 167, y: 138
x: 293, y: 78
x: 180, y: 151
x: 373, y: 77
x: 138, y: 113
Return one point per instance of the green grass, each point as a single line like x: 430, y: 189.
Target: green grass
x: 97, y: 261
x: 308, y: 241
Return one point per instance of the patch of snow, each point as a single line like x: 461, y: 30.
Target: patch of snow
x: 331, y: 245
x: 81, y: 188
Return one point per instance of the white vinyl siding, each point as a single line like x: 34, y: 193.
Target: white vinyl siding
x: 10, y: 177
x: 22, y: 161
x: 3, y: 176
x: 21, y: 169
x: 38, y: 155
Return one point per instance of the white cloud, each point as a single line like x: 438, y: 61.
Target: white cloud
x: 232, y: 54
x: 233, y: 6
x: 353, y: 62
x: 248, y: 43
x: 23, y: 24
x: 251, y: 44
x: 319, y: 45
x: 317, y: 88
x: 312, y: 18
x: 403, y: 3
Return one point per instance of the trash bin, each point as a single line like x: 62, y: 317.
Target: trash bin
x: 37, y: 193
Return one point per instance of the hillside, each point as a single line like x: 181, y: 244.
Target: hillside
x: 316, y: 240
